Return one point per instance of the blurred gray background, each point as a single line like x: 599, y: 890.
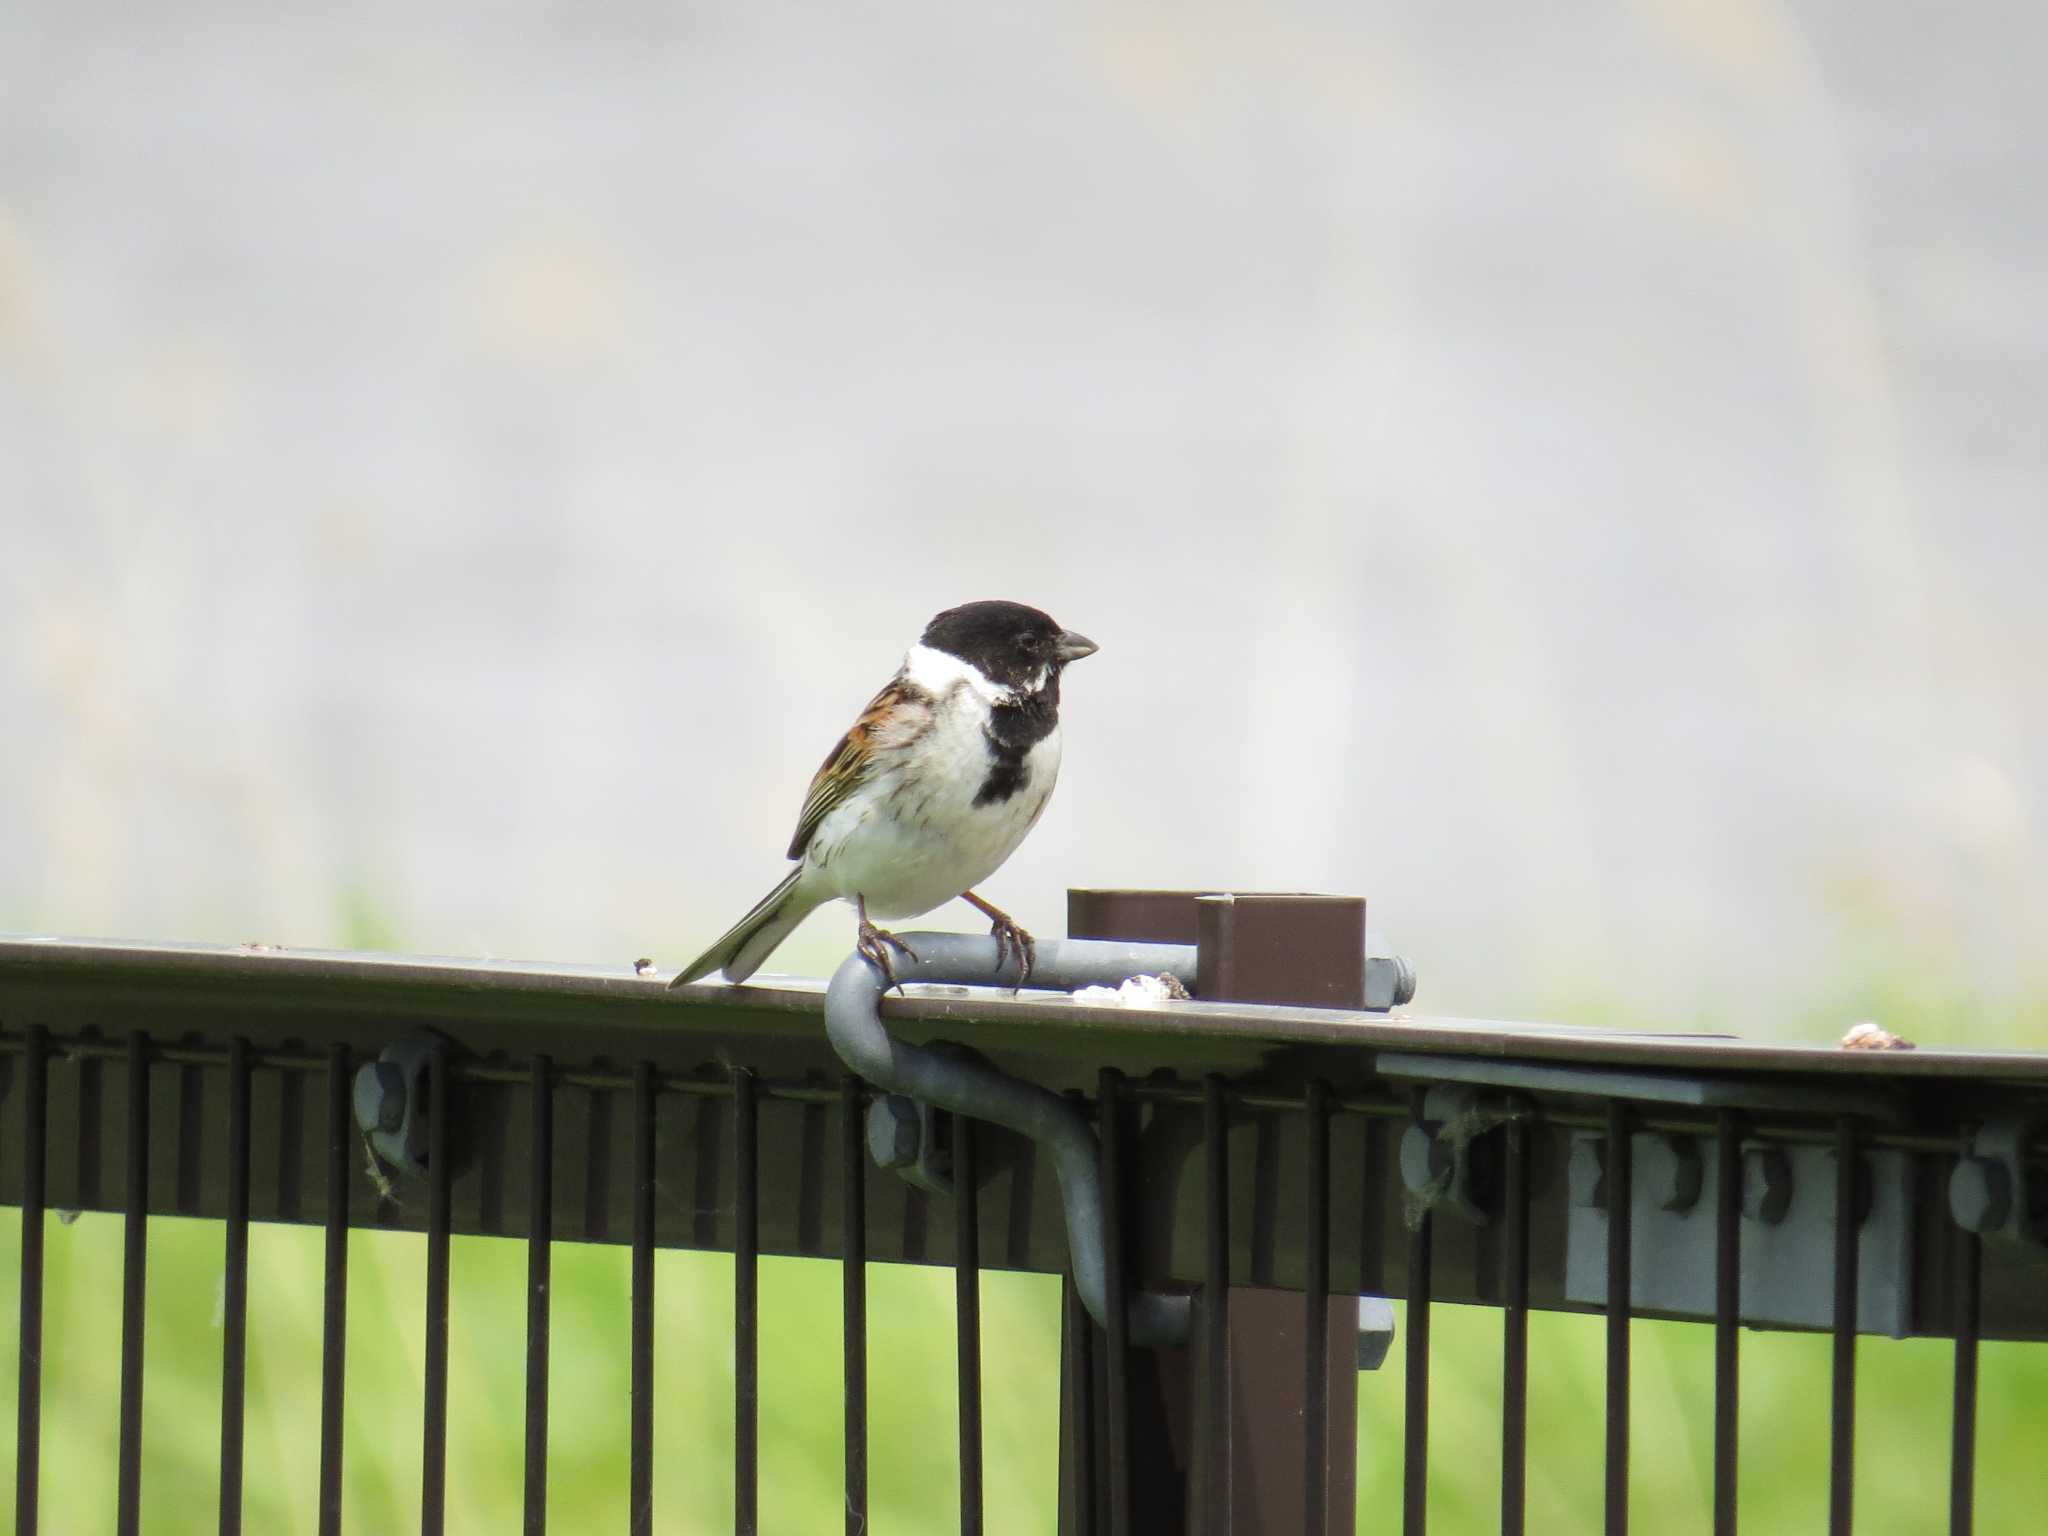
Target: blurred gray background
x: 1573, y: 474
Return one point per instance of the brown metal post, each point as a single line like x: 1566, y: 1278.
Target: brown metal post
x: 1295, y: 949
x: 1308, y: 951
x: 1253, y: 947
x: 1171, y: 1440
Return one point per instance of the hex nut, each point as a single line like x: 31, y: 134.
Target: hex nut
x: 893, y: 1134
x: 1404, y: 982
x: 1389, y: 982
x: 1766, y: 1184
x: 1979, y: 1194
x: 1375, y: 1331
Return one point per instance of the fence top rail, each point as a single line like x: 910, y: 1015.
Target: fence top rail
x: 167, y: 974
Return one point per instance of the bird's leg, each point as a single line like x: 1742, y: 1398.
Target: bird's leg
x: 874, y: 945
x: 1008, y: 936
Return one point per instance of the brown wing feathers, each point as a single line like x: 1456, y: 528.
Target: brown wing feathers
x: 893, y: 718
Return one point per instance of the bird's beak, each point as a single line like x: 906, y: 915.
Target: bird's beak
x: 1073, y: 647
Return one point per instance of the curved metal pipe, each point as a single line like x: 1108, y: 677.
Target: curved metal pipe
x: 853, y: 1021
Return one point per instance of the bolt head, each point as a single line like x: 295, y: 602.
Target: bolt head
x: 893, y: 1134
x: 379, y: 1097
x: 1420, y: 1164
x: 1979, y: 1194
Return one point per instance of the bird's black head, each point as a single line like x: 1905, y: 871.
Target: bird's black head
x: 1012, y: 645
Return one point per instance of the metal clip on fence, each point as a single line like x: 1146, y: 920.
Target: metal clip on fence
x: 1997, y: 1189
x: 390, y: 1099
x: 968, y: 1086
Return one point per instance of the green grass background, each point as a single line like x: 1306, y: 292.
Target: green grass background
x: 1902, y: 1440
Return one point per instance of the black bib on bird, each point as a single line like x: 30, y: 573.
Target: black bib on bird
x: 1012, y: 731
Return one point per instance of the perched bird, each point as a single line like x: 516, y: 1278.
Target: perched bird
x: 930, y: 791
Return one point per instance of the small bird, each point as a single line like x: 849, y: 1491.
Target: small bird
x: 930, y: 791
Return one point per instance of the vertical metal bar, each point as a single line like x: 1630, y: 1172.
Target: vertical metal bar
x: 1110, y: 1101
x: 1727, y: 1316
x: 134, y: 1271
x: 1316, y: 1335
x: 1962, y: 1460
x: 746, y: 1305
x: 967, y: 1309
x: 434, y: 1440
x: 1079, y: 1439
x: 235, y: 1290
x: 28, y: 1430
x: 1514, y: 1375
x: 854, y: 1280
x: 1842, y: 1428
x: 540, y: 1227
x: 640, y: 1517
x: 1216, y: 1307
x: 334, y: 1301
x: 1415, y: 1439
x: 1620, y: 1210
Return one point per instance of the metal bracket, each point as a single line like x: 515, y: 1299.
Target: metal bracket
x: 1787, y: 1242
x: 963, y: 1083
x: 1878, y: 1103
x: 391, y: 1100
x: 1994, y: 1190
x: 1289, y: 948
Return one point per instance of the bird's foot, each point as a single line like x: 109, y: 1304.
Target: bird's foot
x: 1011, y: 939
x: 874, y: 945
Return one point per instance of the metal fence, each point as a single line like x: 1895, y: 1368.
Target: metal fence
x: 1249, y: 1165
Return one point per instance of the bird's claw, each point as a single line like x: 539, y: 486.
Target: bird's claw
x: 1011, y: 939
x: 874, y: 945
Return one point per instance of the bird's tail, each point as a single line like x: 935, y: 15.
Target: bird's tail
x: 753, y: 938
